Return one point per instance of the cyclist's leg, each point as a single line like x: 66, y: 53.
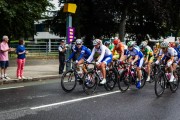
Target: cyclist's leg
x: 105, y: 61
x: 138, y: 69
x: 150, y: 60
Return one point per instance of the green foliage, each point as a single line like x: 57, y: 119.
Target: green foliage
x: 18, y: 16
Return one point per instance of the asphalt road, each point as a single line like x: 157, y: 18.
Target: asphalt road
x: 45, y: 100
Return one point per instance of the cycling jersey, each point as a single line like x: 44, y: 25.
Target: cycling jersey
x: 84, y: 52
x: 178, y: 52
x: 134, y: 52
x: 148, y: 51
x: 119, y: 48
x: 103, y: 51
x: 170, y: 52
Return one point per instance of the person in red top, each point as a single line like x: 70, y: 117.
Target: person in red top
x: 119, y: 47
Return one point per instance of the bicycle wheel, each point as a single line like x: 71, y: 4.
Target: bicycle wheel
x: 144, y: 77
x: 160, y: 83
x: 111, y: 78
x: 90, y: 82
x: 174, y: 85
x: 68, y: 81
x: 124, y: 81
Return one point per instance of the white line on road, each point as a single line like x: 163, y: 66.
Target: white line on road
x: 11, y: 87
x: 74, y: 100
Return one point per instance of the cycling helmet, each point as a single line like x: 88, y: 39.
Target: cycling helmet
x: 106, y: 43
x: 130, y: 44
x: 96, y: 41
x: 116, y: 41
x: 176, y: 43
x: 79, y: 41
x: 143, y: 44
x: 164, y: 44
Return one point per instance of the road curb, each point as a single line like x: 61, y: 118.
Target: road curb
x: 11, y: 81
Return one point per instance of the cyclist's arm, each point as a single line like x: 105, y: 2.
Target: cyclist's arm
x: 136, y: 58
x: 71, y: 56
x: 91, y: 56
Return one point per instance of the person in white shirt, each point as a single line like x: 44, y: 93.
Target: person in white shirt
x: 105, y: 57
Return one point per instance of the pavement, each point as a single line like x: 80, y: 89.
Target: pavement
x: 35, y: 69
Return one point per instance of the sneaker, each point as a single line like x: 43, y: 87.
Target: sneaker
x: 19, y: 78
x: 103, y: 81
x: 138, y: 84
x: 23, y: 77
x: 148, y: 79
x: 7, y: 78
x: 172, y: 79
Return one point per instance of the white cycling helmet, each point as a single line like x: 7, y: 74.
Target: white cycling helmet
x: 143, y: 44
x: 79, y: 41
x: 96, y: 41
x: 164, y: 44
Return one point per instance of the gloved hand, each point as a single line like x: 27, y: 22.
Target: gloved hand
x: 77, y: 61
x: 157, y: 62
x: 169, y: 63
x: 97, y: 63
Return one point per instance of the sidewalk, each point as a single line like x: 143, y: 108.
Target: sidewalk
x: 40, y: 69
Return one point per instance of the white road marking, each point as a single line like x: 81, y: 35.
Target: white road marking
x: 11, y: 87
x: 74, y: 100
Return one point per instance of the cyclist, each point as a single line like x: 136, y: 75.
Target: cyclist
x: 156, y: 49
x: 135, y: 55
x: 119, y: 48
x: 107, y: 44
x: 82, y: 50
x: 149, y: 56
x: 105, y: 57
x: 178, y: 51
x: 170, y: 56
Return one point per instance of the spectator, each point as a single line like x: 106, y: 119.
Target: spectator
x: 4, y: 59
x: 21, y: 58
x: 62, y: 52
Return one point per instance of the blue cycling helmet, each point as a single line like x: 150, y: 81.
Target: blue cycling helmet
x: 106, y: 43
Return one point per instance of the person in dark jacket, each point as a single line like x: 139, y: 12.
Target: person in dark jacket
x: 62, y: 53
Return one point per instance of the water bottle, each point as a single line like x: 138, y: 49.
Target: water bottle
x: 100, y: 74
x: 132, y: 71
x: 168, y: 76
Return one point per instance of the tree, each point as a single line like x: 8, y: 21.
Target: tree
x: 17, y: 17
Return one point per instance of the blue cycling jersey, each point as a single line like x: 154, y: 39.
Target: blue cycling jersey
x: 84, y: 52
x: 135, y: 52
x: 178, y: 52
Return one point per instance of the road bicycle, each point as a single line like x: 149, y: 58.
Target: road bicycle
x: 93, y: 78
x: 70, y: 78
x: 128, y: 77
x: 162, y: 81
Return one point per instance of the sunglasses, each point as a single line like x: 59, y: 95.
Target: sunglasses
x: 79, y: 44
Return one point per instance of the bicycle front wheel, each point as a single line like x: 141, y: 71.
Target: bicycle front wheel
x: 68, y: 81
x: 111, y: 78
x: 90, y: 82
x: 160, y: 83
x: 144, y: 77
x: 124, y: 81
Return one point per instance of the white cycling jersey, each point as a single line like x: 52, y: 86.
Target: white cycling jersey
x: 170, y: 52
x: 103, y: 51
